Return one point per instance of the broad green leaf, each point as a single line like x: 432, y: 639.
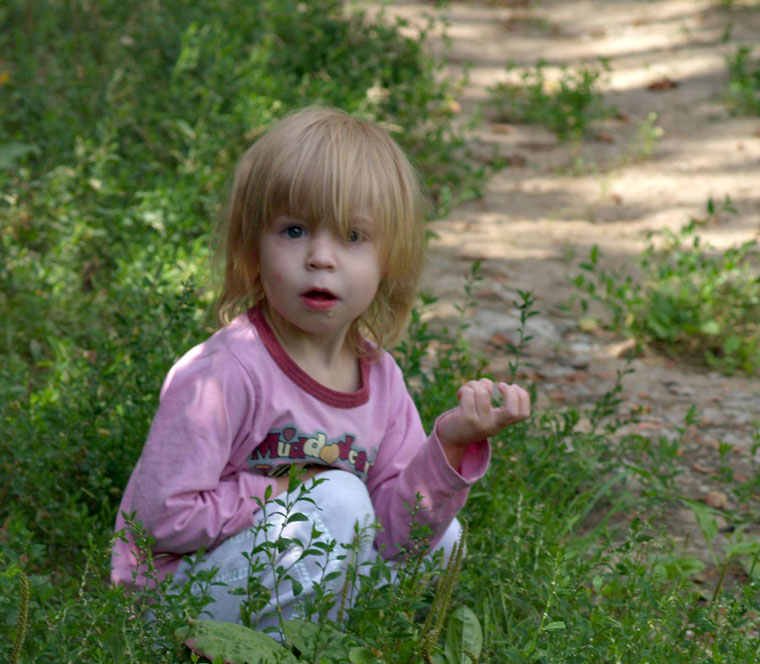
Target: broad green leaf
x: 232, y: 643
x: 710, y: 327
x: 731, y: 345
x: 361, y: 656
x: 706, y: 520
x: 308, y: 637
x: 297, y: 516
x: 675, y: 567
x: 751, y: 566
x: 554, y: 626
x: 10, y: 153
x: 743, y: 548
x: 463, y: 635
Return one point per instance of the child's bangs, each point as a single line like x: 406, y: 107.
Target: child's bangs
x: 333, y: 180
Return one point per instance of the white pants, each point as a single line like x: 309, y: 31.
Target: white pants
x: 341, y: 504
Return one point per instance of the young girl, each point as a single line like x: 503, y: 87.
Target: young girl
x: 324, y: 245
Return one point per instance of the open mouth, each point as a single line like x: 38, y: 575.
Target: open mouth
x: 319, y: 299
x: 317, y: 294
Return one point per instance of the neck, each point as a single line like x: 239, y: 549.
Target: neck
x: 327, y: 358
x: 309, y: 350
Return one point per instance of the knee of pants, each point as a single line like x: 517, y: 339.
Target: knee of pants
x: 343, y: 501
x: 449, y: 541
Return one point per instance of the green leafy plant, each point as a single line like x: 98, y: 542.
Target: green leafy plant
x: 691, y: 301
x: 568, y: 105
x: 744, y: 81
x: 233, y: 643
x: 315, y: 637
x: 464, y: 637
x: 740, y: 546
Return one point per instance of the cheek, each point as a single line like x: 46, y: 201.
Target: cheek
x: 272, y: 280
x: 271, y: 272
x: 373, y: 286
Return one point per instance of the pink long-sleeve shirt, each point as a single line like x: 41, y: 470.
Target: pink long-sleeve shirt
x: 236, y: 407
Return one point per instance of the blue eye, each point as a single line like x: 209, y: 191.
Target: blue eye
x: 294, y: 232
x: 358, y: 235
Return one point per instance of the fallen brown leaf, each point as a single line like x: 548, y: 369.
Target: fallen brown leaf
x: 516, y: 160
x: 487, y: 293
x: 500, y: 339
x: 716, y: 499
x: 576, y: 377
x: 557, y: 396
x: 536, y: 146
x: 663, y: 83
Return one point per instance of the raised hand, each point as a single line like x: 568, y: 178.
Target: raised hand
x: 475, y: 418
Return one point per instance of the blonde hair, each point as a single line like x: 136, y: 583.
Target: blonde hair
x: 325, y: 166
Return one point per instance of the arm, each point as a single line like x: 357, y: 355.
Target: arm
x: 441, y: 467
x: 409, y: 462
x: 185, y: 490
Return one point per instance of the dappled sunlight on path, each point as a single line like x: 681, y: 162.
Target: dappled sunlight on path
x: 635, y: 173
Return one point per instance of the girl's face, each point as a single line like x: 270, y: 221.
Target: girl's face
x: 318, y: 282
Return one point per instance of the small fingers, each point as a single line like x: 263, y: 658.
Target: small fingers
x: 466, y: 396
x: 516, y: 403
x: 477, y: 386
x: 476, y: 418
x: 475, y: 395
x: 483, y: 389
x: 524, y: 402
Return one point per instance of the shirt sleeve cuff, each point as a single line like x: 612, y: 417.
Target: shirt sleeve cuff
x: 475, y: 462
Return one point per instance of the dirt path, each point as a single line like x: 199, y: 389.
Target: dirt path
x: 535, y: 222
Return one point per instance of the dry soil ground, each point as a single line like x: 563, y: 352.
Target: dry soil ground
x: 537, y: 221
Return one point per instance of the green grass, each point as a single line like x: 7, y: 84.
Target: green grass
x: 744, y: 81
x: 570, y: 105
x: 690, y: 301
x: 119, y: 126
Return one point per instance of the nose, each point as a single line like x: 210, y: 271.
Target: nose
x: 321, y: 253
